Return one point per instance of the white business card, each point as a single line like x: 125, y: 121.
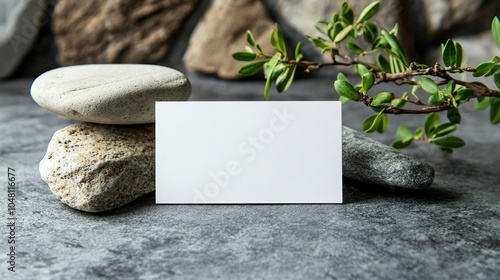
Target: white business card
x: 248, y: 152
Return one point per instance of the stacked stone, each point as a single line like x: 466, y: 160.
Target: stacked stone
x: 108, y: 160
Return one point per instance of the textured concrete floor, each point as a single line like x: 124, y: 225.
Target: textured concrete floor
x: 449, y: 231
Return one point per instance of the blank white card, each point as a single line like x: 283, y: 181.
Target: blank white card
x: 248, y: 152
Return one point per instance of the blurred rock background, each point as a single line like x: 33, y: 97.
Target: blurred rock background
x: 199, y: 36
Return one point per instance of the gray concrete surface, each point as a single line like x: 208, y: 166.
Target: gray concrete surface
x: 449, y: 231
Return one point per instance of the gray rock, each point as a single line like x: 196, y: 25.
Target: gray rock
x: 109, y: 93
x: 369, y: 161
x: 20, y: 21
x: 94, y: 168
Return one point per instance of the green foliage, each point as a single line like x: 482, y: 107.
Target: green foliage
x: 495, y: 30
x: 368, y: 12
x: 435, y: 132
x: 251, y: 69
x: 443, y: 91
x: 376, y: 122
x: 244, y: 56
x: 346, y: 90
x: 381, y: 98
x: 429, y: 85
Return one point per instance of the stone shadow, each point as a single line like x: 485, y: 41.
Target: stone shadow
x: 356, y: 191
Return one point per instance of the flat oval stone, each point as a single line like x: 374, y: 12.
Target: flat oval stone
x: 109, y: 93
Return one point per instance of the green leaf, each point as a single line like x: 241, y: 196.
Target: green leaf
x: 367, y: 81
x: 370, y: 32
x: 368, y: 12
x: 278, y: 41
x: 383, y: 64
x: 285, y: 79
x: 400, y: 144
x: 342, y: 77
x: 444, y: 129
x: 249, y: 49
x: 251, y: 69
x: 434, y: 100
x: 404, y: 133
x: 483, y: 69
x: 430, y: 123
x: 465, y: 94
x: 375, y: 122
x: 496, y: 79
x: 419, y: 133
x: 343, y: 99
x: 449, y: 52
x: 257, y: 46
x: 395, y: 64
x: 495, y: 29
x: 250, y: 38
x: 280, y: 68
x: 454, y: 115
x: 395, y: 46
x: 495, y: 110
x: 319, y: 42
x: 398, y: 103
x: 354, y: 48
x: 320, y: 30
x: 347, y: 13
x: 429, y: 85
x: 343, y: 34
x: 298, y: 51
x: 272, y: 64
x: 482, y: 103
x: 449, y: 142
x: 336, y: 30
x: 394, y: 31
x: 460, y: 54
x: 345, y: 89
x: 383, y: 97
x: 335, y: 17
x: 361, y: 69
x: 384, y: 121
x: 244, y: 56
x: 380, y: 42
x: 449, y: 89
x: 324, y: 50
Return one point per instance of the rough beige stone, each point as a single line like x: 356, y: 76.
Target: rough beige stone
x: 94, y: 168
x: 222, y: 31
x: 125, y: 31
x: 109, y: 93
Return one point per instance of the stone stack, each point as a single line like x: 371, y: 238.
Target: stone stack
x: 108, y: 160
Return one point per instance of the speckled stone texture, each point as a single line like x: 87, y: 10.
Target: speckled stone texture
x: 109, y: 93
x: 118, y: 31
x: 447, y: 231
x: 95, y: 168
x: 372, y: 162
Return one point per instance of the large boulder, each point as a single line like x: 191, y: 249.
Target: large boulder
x: 119, y: 31
x: 222, y: 31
